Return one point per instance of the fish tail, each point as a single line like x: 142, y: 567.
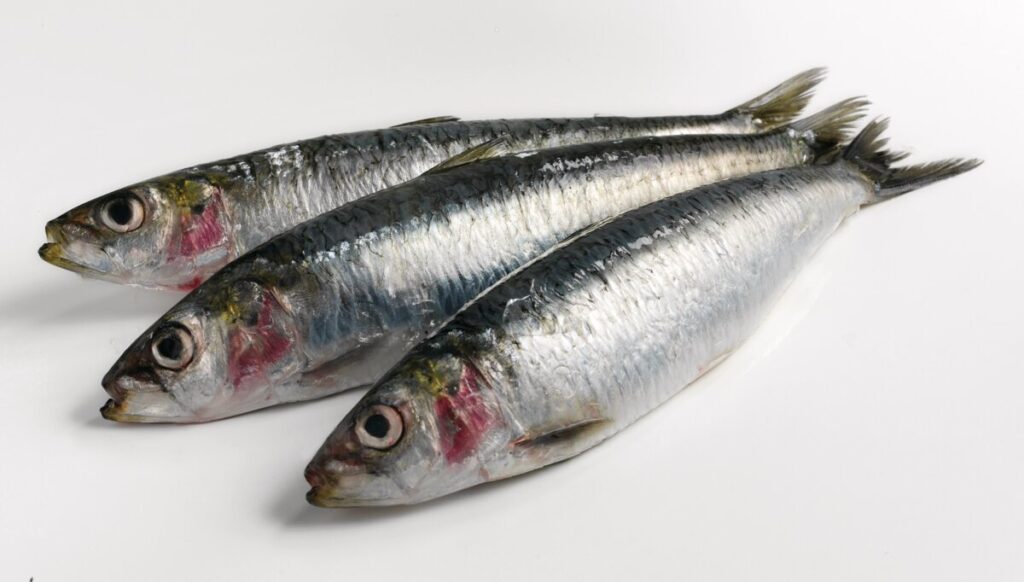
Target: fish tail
x: 827, y: 129
x: 868, y: 152
x: 784, y: 102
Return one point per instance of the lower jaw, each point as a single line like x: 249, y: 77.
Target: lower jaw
x: 323, y: 497
x: 114, y: 411
x: 53, y: 253
x: 319, y: 497
x: 315, y: 496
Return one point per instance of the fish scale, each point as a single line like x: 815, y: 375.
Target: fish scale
x: 385, y: 259
x: 269, y: 191
x: 709, y: 243
x: 316, y: 176
x: 361, y: 284
x: 572, y: 348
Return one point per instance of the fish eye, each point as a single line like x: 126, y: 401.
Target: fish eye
x: 172, y: 347
x: 123, y: 214
x: 380, y: 427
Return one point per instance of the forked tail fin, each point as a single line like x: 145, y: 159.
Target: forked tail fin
x: 867, y: 151
x: 825, y: 130
x: 783, y: 103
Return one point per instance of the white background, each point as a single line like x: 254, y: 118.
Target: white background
x: 872, y: 430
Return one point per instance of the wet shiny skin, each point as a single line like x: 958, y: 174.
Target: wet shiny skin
x: 352, y: 290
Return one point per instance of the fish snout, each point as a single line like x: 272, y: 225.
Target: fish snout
x: 332, y: 461
x: 355, y: 489
x: 137, y: 397
x: 52, y: 250
x: 322, y: 479
x: 73, y: 226
x: 348, y: 482
x: 113, y: 386
x: 55, y: 232
x: 129, y: 377
x: 314, y: 476
x: 76, y: 246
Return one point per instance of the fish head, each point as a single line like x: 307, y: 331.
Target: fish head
x: 222, y: 351
x: 170, y: 233
x: 426, y: 430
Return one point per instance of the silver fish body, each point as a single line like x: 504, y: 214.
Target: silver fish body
x: 579, y: 344
x: 336, y: 301
x: 175, y: 231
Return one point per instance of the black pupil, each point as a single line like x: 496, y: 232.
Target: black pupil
x: 377, y: 426
x: 170, y: 347
x: 120, y: 211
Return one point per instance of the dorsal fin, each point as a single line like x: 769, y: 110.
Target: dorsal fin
x: 489, y: 149
x: 783, y: 103
x: 428, y: 121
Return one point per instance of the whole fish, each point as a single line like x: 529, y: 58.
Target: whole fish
x: 335, y: 302
x: 176, y: 230
x: 576, y: 346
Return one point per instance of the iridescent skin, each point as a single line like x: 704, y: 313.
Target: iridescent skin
x: 334, y: 303
x: 196, y: 220
x: 587, y: 339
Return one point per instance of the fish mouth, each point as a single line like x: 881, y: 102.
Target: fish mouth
x: 60, y: 251
x: 325, y: 497
x: 117, y: 411
x: 139, y: 401
x: 142, y: 410
x: 55, y: 232
x: 329, y: 498
x: 356, y: 489
x: 52, y: 250
x: 53, y: 253
x: 114, y: 411
x: 320, y: 497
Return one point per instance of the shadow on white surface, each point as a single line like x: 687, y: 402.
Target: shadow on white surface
x: 71, y: 301
x: 290, y: 508
x: 87, y: 413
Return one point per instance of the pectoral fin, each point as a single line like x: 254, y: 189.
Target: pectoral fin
x: 569, y: 434
x: 356, y: 368
x: 489, y: 149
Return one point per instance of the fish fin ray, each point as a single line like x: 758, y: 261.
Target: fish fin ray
x: 347, y: 367
x: 560, y: 434
x: 784, y: 102
x: 489, y: 149
x: 827, y: 129
x: 908, y: 178
x: 428, y: 121
x: 868, y: 152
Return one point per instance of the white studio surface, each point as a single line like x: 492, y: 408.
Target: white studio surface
x: 873, y: 429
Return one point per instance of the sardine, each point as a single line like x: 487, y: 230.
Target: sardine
x: 176, y: 230
x: 335, y: 302
x: 571, y: 349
